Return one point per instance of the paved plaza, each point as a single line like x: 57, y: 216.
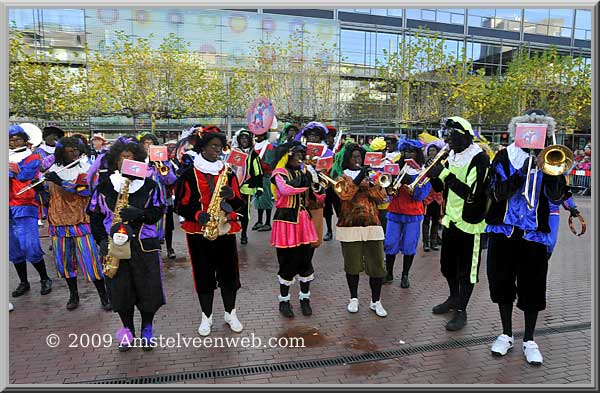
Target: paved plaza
x: 410, y: 346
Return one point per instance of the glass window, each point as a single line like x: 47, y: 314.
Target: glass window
x: 394, y: 11
x: 508, y: 13
x: 353, y: 46
x: 561, y: 17
x: 363, y: 10
x: 443, y: 17
x: 458, y: 19
x: 428, y: 15
x: 63, y: 19
x: 482, y: 12
x: 21, y: 18
x: 583, y: 19
x: 387, y: 42
x: 379, y: 11
x: 537, y: 15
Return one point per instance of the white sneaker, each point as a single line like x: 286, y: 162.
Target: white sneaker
x: 10, y: 306
x: 40, y: 223
x: 204, y: 328
x: 181, y: 219
x: 532, y: 353
x: 378, y: 308
x: 353, y: 305
x: 233, y: 322
x: 502, y: 344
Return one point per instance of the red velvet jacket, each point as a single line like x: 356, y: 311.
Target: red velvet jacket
x: 193, y: 195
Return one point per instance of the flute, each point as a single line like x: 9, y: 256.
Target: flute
x: 43, y: 179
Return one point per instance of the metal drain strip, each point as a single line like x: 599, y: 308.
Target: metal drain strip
x: 329, y: 362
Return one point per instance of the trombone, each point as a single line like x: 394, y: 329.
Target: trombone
x: 419, y: 181
x: 553, y: 160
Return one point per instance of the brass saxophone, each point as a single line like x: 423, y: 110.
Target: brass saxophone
x: 217, y: 225
x: 111, y: 263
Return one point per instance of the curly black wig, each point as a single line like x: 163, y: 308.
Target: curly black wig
x: 73, y: 142
x: 207, y: 134
x: 150, y: 136
x: 124, y: 144
x: 348, y: 150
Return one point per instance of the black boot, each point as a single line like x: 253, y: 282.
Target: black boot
x: 449, y: 305
x: 305, y: 307
x: 425, y: 237
x: 73, y: 302
x: 103, y: 295
x: 328, y: 236
x: 389, y: 267
x: 44, y: 279
x: 171, y: 253
x: 404, y: 283
x: 458, y: 322
x: 21, y: 289
x: 406, y: 264
x: 285, y: 308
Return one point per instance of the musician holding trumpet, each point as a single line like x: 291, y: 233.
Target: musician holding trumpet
x: 405, y: 211
x: 463, y: 181
x: 359, y: 229
x: 523, y: 188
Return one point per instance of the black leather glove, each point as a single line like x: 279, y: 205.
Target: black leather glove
x: 53, y: 177
x: 226, y: 207
x: 226, y: 192
x: 302, y: 180
x: 203, y: 218
x: 435, y: 171
x: 574, y: 212
x: 132, y: 213
x: 364, y: 171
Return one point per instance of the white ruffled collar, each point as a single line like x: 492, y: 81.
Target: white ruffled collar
x: 72, y: 173
x: 117, y: 181
x: 261, y: 145
x: 20, y: 156
x: 212, y: 168
x: 464, y: 157
x: 412, y: 171
x: 48, y: 149
x: 516, y: 155
x: 351, y: 173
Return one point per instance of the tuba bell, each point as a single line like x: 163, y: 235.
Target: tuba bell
x: 555, y: 160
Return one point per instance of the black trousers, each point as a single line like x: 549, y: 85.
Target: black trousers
x: 456, y: 258
x: 214, y: 263
x: 517, y: 268
x: 295, y: 261
x: 332, y: 203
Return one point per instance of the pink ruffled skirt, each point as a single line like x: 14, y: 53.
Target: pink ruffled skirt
x: 287, y: 234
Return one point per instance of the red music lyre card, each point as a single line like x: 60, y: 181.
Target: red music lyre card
x: 391, y: 169
x: 315, y: 149
x: 324, y: 163
x: 158, y: 153
x: 134, y: 168
x: 237, y: 158
x: 373, y: 158
x: 530, y: 135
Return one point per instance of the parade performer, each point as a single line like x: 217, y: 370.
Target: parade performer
x: 138, y: 280
x: 214, y: 262
x: 162, y: 173
x: 463, y: 182
x: 249, y: 177
x: 433, y: 206
x: 293, y: 231
x: 263, y: 200
x: 74, y: 248
x: 380, y: 145
x: 98, y: 146
x: 24, y: 240
x: 517, y: 262
x: 359, y: 229
x: 405, y: 214
x: 315, y: 132
x: 332, y: 201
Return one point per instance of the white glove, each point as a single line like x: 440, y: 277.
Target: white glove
x: 313, y: 173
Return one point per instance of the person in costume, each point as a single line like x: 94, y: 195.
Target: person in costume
x: 332, y: 201
x: 138, y: 280
x: 554, y: 219
x: 379, y: 144
x: 359, y: 230
x: 74, y: 248
x: 288, y: 134
x: 463, y: 181
x: 405, y: 214
x: 519, y: 236
x: 315, y: 132
x: 214, y: 263
x: 163, y: 180
x: 249, y: 176
x: 433, y: 206
x: 263, y: 200
x: 24, y: 240
x: 293, y: 231
x: 35, y: 140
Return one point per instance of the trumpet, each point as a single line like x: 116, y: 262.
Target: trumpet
x: 384, y: 180
x: 439, y: 157
x: 326, y: 181
x: 398, y: 182
x: 162, y: 169
x: 553, y: 160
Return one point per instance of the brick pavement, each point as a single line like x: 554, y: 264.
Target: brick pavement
x: 330, y: 332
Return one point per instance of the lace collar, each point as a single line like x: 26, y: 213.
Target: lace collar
x: 20, y: 156
x: 261, y: 145
x: 351, y: 173
x: 212, y: 168
x: 516, y: 155
x: 464, y: 157
x: 47, y: 149
x: 117, y: 181
x: 72, y: 173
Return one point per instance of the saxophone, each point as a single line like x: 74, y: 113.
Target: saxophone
x: 218, y: 224
x: 111, y: 262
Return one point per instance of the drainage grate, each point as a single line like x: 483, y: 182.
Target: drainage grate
x: 337, y: 361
